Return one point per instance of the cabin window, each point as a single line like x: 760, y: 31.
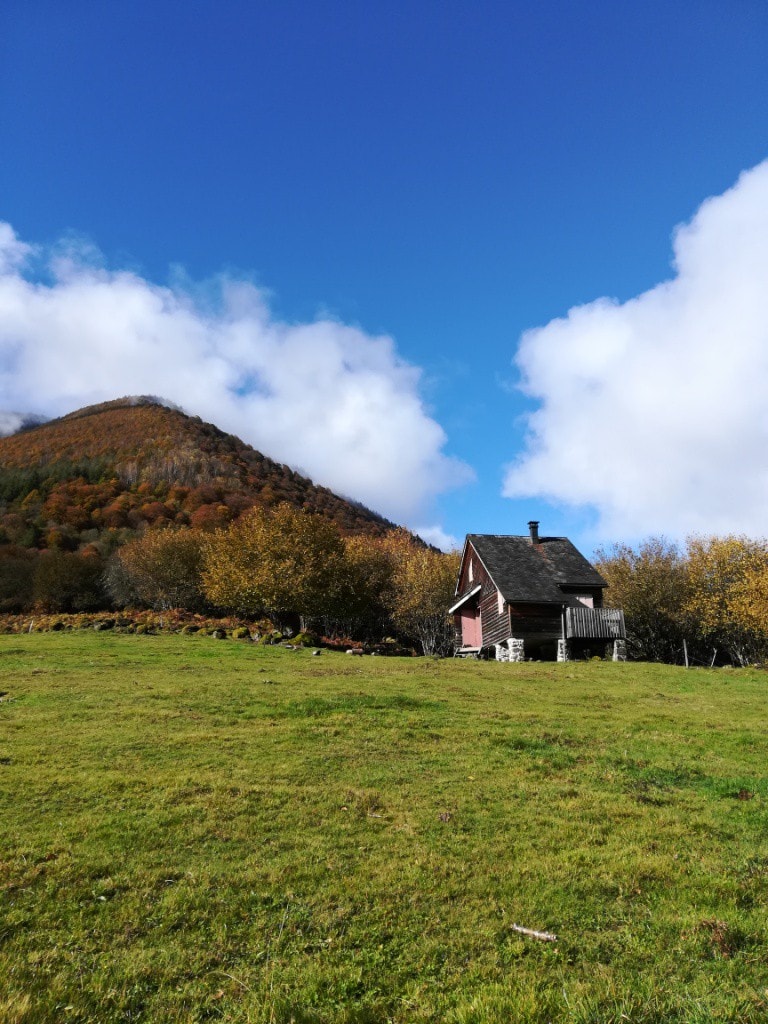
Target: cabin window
x: 500, y: 598
x: 471, y: 570
x: 585, y: 599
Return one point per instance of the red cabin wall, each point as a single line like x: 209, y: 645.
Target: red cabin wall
x: 494, y: 624
x: 470, y: 626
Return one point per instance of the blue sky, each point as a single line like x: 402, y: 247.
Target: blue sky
x: 446, y: 175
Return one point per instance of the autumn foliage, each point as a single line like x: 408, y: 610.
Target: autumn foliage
x: 709, y: 598
x: 286, y: 563
x: 161, y: 570
x: 131, y: 504
x: 420, y: 590
x: 104, y: 474
x: 280, y: 563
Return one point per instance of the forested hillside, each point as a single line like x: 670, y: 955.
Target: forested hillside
x: 102, y: 473
x: 75, y: 490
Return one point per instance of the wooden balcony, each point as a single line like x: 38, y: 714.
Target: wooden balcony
x: 594, y: 623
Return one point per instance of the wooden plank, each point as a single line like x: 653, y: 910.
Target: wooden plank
x: 594, y: 623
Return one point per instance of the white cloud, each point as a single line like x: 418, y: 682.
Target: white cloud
x: 13, y: 252
x: 340, y: 403
x: 438, y: 538
x: 10, y: 422
x: 655, y: 411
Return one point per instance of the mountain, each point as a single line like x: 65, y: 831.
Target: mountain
x: 98, y: 475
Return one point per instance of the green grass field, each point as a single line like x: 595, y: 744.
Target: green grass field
x: 198, y: 830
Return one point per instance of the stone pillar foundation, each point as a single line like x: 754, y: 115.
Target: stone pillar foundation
x: 516, y: 649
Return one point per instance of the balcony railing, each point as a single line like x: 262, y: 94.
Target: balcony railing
x: 595, y: 623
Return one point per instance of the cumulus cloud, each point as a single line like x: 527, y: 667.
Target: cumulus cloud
x: 325, y: 396
x: 655, y: 411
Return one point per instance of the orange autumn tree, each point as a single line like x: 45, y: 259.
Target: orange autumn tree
x: 712, y: 596
x: 362, y: 608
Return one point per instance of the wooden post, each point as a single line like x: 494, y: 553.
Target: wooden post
x: 685, y: 653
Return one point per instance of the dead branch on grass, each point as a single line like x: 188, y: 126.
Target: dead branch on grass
x: 532, y: 934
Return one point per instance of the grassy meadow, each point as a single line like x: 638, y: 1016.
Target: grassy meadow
x: 197, y: 830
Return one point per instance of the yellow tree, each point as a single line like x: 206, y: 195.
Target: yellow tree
x: 421, y: 590
x: 727, y: 588
x: 749, y: 599
x: 649, y: 584
x: 283, y: 562
x: 365, y: 586
x: 162, y: 569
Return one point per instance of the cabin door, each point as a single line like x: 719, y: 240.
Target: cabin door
x: 471, y: 629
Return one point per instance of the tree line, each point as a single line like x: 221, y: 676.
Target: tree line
x: 706, y: 600
x: 285, y: 564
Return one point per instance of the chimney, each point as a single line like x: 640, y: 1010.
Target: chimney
x: 533, y: 526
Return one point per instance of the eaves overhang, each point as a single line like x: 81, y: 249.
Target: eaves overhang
x: 463, y: 600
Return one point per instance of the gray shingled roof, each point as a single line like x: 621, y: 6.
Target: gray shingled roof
x: 524, y: 571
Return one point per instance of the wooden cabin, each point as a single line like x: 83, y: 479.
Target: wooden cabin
x: 531, y: 597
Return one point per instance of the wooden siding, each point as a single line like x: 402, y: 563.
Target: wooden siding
x: 531, y: 622
x: 540, y: 624
x: 495, y: 625
x: 536, y: 621
x: 595, y: 623
x: 479, y: 574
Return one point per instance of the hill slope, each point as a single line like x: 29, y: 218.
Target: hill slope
x: 99, y: 474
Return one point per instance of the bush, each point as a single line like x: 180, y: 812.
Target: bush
x: 161, y: 569
x: 305, y: 639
